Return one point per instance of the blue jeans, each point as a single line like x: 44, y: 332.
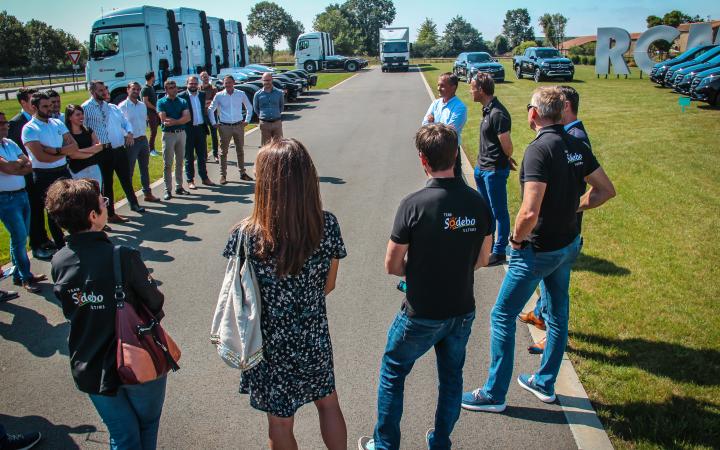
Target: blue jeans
x: 409, y: 339
x: 525, y: 271
x: 541, y: 305
x: 492, y: 185
x: 15, y: 215
x: 133, y: 415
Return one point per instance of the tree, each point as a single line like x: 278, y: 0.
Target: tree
x: 553, y: 26
x: 295, y: 29
x: 45, y: 45
x: 460, y: 37
x: 516, y: 26
x: 346, y: 38
x: 427, y: 38
x: 269, y: 21
x: 501, y: 45
x: 13, y: 51
x: 673, y: 18
x: 520, y: 49
x: 368, y: 16
x: 256, y: 53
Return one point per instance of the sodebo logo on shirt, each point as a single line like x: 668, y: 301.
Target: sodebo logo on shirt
x: 82, y: 298
x: 463, y: 223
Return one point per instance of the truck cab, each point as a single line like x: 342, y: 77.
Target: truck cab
x: 395, y: 48
x: 312, y: 49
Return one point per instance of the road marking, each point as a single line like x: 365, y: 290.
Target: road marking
x: 343, y: 81
x: 582, y: 419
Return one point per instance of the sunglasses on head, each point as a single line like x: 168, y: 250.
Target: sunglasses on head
x: 530, y: 106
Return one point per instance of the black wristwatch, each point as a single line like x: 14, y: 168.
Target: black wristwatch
x: 522, y: 244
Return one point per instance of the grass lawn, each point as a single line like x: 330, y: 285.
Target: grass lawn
x: 12, y: 107
x: 643, y: 334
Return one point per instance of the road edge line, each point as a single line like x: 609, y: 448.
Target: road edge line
x: 343, y: 81
x: 586, y: 428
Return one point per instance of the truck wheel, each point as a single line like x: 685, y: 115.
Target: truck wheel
x: 118, y: 97
x: 538, y: 76
x: 351, y: 66
x: 518, y: 72
x: 310, y: 66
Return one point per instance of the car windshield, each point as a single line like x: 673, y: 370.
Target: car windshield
x: 395, y: 47
x: 547, y: 53
x: 478, y: 58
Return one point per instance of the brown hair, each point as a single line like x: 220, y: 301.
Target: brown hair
x: 549, y: 103
x: 287, y: 221
x: 451, y: 77
x: 69, y: 203
x: 439, y: 144
x: 169, y: 83
x: 485, y: 82
x: 69, y: 111
x: 24, y: 94
x: 572, y: 96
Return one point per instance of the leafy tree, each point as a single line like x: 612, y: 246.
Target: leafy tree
x: 295, y: 29
x: 673, y: 18
x: 460, y: 36
x: 501, y: 45
x: 553, y: 26
x: 13, y: 51
x: 427, y: 39
x: 520, y: 49
x: 368, y: 16
x: 334, y: 20
x: 46, y: 47
x: 516, y: 26
x: 256, y: 53
x: 270, y: 22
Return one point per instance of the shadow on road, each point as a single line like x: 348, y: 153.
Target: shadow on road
x: 55, y: 436
x: 31, y: 329
x: 331, y: 180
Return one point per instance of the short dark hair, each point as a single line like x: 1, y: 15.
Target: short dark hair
x: 52, y: 93
x: 169, y: 83
x: 452, y: 78
x: 37, y: 96
x: 24, y: 94
x: 485, y: 82
x: 572, y: 96
x: 69, y: 203
x: 228, y: 76
x: 439, y: 144
x: 150, y: 75
x: 133, y: 83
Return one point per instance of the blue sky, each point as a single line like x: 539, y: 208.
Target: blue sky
x: 584, y: 17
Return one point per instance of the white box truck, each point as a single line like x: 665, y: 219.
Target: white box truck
x: 312, y: 49
x: 127, y: 43
x: 395, y: 48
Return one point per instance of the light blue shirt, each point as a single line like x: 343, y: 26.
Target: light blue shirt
x: 452, y: 113
x: 11, y: 152
x: 570, y: 125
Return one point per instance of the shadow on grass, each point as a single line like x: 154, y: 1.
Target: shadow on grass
x: 674, y: 361
x: 54, y: 436
x: 710, y: 107
x: 423, y: 68
x: 679, y: 422
x: 599, y: 266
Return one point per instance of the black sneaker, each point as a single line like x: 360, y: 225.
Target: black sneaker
x: 167, y: 196
x: 246, y: 177
x: 20, y: 441
x: 181, y: 191
x: 137, y: 208
x: 496, y: 260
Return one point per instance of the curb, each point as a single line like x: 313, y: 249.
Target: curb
x: 582, y: 419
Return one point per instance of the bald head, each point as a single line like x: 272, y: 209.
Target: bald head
x: 267, y: 81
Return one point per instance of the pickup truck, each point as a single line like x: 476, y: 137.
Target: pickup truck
x: 543, y: 62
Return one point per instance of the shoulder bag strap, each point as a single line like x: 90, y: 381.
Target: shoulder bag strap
x: 117, y: 270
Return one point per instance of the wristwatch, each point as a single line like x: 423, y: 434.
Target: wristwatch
x: 522, y: 244
x: 58, y: 150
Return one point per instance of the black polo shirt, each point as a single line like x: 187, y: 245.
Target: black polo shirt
x: 561, y: 161
x: 577, y: 129
x: 496, y: 121
x: 444, y: 225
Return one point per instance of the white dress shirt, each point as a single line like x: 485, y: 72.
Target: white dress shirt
x: 11, y: 152
x: 136, y: 114
x: 230, y: 107
x: 118, y: 126
x: 50, y: 134
x: 197, y: 112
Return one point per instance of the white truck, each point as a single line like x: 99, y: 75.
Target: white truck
x: 127, y: 43
x: 395, y: 48
x: 312, y: 50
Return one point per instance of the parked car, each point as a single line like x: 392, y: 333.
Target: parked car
x: 311, y: 77
x: 260, y: 68
x: 468, y: 64
x: 305, y: 84
x: 250, y: 90
x: 290, y: 89
x: 543, y: 62
x: 657, y: 75
x: 683, y: 77
x: 707, y: 89
x: 702, y: 59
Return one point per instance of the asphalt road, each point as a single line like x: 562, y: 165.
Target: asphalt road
x: 360, y: 137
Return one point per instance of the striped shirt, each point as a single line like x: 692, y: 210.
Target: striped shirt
x: 96, y: 118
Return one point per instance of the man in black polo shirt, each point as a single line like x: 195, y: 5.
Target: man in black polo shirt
x: 441, y: 235
x: 545, y: 243
x: 494, y: 160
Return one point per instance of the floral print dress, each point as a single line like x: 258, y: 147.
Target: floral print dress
x: 297, y: 365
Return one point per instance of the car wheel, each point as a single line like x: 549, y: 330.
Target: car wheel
x: 351, y: 66
x: 518, y: 72
x: 310, y: 66
x: 538, y: 76
x: 568, y: 78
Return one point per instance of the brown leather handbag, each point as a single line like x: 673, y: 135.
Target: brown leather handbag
x: 145, y: 351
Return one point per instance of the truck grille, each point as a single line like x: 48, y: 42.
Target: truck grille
x: 394, y: 59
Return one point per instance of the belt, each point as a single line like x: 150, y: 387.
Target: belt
x: 12, y: 192
x: 231, y: 124
x: 173, y: 131
x: 62, y: 168
x: 269, y: 120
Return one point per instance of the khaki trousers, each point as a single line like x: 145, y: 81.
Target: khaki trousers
x: 173, y: 145
x: 237, y: 133
x: 270, y: 130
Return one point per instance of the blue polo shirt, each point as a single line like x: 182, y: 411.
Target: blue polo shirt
x: 173, y: 109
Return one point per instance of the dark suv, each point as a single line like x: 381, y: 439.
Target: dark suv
x: 543, y: 62
x: 468, y: 64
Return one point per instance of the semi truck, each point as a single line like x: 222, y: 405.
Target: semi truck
x: 127, y: 43
x: 395, y: 48
x: 312, y: 50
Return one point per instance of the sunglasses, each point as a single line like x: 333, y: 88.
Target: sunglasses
x: 529, y: 106
x: 106, y: 201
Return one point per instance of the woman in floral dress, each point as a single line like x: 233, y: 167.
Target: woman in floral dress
x: 295, y: 247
